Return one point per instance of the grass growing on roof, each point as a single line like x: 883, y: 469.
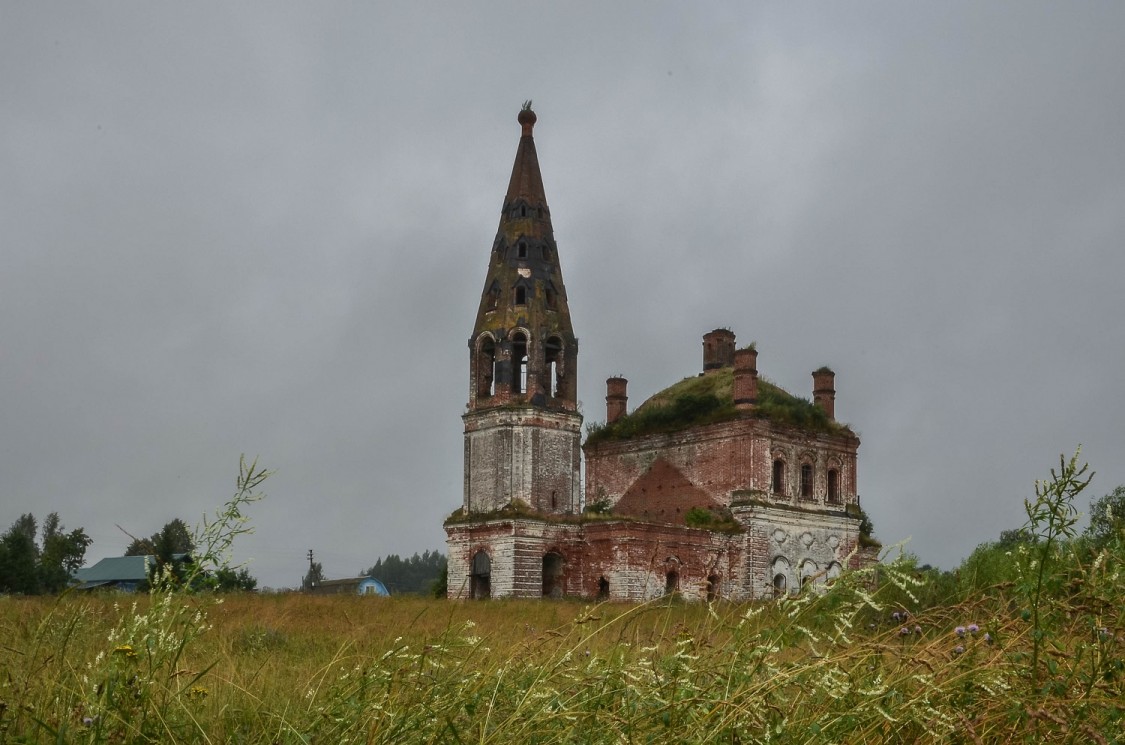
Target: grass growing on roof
x: 707, y: 399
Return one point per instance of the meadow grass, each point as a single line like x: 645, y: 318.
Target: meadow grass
x: 297, y: 668
x: 868, y: 659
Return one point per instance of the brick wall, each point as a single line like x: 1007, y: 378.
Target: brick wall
x: 724, y: 458
x: 522, y: 453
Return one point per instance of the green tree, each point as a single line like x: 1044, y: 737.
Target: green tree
x: 440, y: 586
x: 174, y: 538
x: 61, y: 553
x: 415, y: 575
x: 227, y: 579
x: 168, y: 546
x: 313, y: 577
x: 1107, y: 519
x: 19, y: 558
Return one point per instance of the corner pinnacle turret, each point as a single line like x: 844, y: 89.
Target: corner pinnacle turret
x: 523, y: 346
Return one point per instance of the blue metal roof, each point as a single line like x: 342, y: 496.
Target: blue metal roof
x: 116, y: 569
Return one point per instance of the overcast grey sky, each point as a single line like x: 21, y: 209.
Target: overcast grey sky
x: 263, y: 228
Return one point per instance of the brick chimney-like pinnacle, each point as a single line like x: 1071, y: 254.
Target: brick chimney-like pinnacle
x: 745, y: 387
x: 824, y: 391
x: 616, y: 399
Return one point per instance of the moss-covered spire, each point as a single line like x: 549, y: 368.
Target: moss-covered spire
x: 523, y: 321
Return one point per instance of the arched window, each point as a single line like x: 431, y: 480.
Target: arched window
x: 780, y: 570
x: 806, y: 480
x: 521, y: 250
x: 521, y: 295
x: 486, y: 368
x: 493, y: 298
x: 519, y: 363
x: 809, y: 569
x: 778, y: 476
x: 833, y: 486
x: 779, y: 585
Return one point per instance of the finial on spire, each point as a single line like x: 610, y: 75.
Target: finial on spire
x: 526, y: 118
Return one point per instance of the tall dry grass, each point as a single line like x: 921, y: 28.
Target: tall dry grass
x: 1041, y: 659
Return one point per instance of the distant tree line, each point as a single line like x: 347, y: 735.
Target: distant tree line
x: 415, y: 575
x: 996, y: 563
x: 44, y: 566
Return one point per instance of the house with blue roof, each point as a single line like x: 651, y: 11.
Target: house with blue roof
x: 124, y: 573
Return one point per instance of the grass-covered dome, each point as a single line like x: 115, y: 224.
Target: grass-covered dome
x: 707, y: 399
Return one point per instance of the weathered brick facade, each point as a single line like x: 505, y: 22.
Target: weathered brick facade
x: 723, y: 485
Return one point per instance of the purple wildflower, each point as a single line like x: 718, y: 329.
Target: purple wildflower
x: 973, y: 628
x: 958, y: 649
x: 987, y: 637
x: 904, y: 631
x: 917, y: 629
x: 896, y: 616
x: 959, y: 631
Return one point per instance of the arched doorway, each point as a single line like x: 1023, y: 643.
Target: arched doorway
x: 480, y: 580
x: 553, y: 585
x: 603, y: 589
x: 671, y: 582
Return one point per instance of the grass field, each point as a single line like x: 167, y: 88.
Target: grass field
x: 295, y: 668
x: 885, y: 654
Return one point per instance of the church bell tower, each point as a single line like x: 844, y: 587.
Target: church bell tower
x: 522, y: 428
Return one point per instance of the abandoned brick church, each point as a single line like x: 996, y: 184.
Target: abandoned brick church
x: 720, y: 486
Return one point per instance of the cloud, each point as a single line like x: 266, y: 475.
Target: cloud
x: 263, y: 229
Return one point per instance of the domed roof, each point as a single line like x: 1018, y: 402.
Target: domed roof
x: 707, y: 399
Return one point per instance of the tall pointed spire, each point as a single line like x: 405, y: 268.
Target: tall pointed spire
x: 523, y: 321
